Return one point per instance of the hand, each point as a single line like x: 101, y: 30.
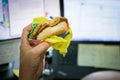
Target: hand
x: 31, y: 58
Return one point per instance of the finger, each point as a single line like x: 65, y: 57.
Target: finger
x: 42, y: 48
x: 25, y: 34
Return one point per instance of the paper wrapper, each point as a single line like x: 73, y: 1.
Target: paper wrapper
x: 61, y: 42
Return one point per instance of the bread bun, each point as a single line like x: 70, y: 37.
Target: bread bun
x: 47, y: 28
x: 55, y: 30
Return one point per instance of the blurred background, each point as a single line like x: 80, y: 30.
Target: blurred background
x: 94, y: 51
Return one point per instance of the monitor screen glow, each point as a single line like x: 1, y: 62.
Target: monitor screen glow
x: 93, y: 20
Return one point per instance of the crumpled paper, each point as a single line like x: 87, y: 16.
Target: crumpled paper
x: 59, y: 42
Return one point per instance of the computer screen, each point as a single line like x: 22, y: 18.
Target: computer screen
x: 16, y: 14
x: 93, y: 20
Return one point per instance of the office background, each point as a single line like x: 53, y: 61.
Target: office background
x: 84, y: 55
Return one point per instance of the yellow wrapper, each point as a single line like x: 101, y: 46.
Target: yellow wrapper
x: 58, y: 43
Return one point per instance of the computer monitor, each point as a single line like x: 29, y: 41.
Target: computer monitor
x: 14, y: 16
x: 89, y: 26
x: 17, y: 14
x: 93, y: 20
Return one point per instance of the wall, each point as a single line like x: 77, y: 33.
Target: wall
x: 9, y: 51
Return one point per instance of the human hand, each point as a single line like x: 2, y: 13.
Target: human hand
x: 31, y: 56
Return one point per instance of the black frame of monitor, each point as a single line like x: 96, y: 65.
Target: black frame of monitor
x: 10, y: 39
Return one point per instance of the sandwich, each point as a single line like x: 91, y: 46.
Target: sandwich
x: 47, y: 28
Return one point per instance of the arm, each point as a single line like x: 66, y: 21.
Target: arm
x: 31, y: 58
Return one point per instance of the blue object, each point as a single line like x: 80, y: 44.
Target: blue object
x: 51, y: 17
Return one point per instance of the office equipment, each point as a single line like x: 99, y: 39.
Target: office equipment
x: 95, y: 23
x: 93, y: 20
x: 4, y: 19
x: 65, y: 67
x: 84, y: 58
x: 1, y: 15
x: 20, y: 14
x: 14, y: 16
x: 99, y: 56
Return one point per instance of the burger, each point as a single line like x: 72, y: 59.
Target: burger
x: 47, y: 28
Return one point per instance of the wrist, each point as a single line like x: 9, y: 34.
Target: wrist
x: 28, y: 76
x: 26, y: 73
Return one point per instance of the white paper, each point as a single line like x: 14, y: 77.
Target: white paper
x: 1, y: 12
x: 22, y: 13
